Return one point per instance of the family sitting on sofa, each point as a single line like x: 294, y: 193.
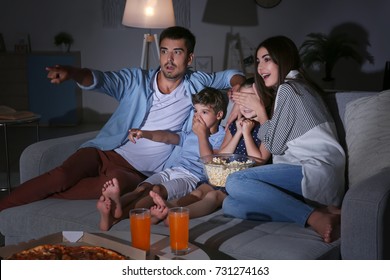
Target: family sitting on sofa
x: 304, y: 184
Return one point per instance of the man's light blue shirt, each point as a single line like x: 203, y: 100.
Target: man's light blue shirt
x: 133, y: 88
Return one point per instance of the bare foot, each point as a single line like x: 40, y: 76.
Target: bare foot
x: 159, y: 212
x: 326, y: 222
x: 111, y: 191
x: 104, y: 207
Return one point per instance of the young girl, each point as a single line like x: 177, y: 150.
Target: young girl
x: 240, y: 138
x: 307, y: 173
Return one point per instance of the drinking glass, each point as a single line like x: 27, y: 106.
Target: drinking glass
x: 140, y: 228
x: 179, y: 218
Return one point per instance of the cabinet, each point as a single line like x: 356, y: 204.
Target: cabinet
x: 25, y: 86
x: 13, y: 81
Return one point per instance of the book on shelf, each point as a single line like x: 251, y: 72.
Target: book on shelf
x: 8, y: 113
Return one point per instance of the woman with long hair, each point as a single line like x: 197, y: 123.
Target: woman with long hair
x: 305, y: 182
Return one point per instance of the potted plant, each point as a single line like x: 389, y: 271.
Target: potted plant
x: 64, y: 39
x: 328, y: 49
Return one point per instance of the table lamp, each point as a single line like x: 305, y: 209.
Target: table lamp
x: 148, y: 14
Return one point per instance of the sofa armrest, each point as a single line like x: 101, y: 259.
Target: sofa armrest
x: 365, y: 219
x: 43, y: 156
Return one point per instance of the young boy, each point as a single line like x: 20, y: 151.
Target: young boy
x: 241, y: 138
x: 205, y: 138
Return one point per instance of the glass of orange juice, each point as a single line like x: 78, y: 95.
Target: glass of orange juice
x: 179, y: 218
x: 140, y: 228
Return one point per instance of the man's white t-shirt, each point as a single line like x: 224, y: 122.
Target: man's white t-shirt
x: 168, y: 112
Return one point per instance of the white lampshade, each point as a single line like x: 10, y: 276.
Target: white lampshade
x: 149, y: 13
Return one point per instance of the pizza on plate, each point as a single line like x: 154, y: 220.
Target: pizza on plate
x: 62, y: 252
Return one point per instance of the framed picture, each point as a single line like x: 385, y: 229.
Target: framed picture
x: 204, y: 63
x: 2, y: 43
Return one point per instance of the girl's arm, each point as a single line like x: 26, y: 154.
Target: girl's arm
x: 250, y: 145
x: 234, y: 115
x: 259, y: 152
x: 252, y: 150
x: 226, y: 140
x: 265, y: 154
x: 230, y: 142
x: 163, y: 136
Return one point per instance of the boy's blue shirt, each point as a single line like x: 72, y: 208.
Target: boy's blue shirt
x: 189, y: 157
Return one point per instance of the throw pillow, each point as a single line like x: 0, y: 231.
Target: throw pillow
x: 367, y: 132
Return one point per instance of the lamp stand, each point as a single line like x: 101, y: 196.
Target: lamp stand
x: 233, y: 39
x: 148, y: 39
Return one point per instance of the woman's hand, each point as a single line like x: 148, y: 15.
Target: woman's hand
x: 253, y: 102
x: 249, y: 100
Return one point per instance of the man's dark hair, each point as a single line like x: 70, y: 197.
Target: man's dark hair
x: 177, y: 33
x: 211, y: 97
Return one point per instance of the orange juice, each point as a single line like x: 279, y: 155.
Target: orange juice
x: 140, y: 228
x: 178, y: 227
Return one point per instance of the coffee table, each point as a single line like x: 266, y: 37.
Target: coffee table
x: 160, y: 249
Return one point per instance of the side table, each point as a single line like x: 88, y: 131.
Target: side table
x: 6, y: 123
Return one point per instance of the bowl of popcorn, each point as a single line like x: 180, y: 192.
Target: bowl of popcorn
x: 218, y: 167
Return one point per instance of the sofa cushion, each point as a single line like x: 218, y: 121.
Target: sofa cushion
x: 367, y: 128
x: 337, y: 103
x: 364, y: 219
